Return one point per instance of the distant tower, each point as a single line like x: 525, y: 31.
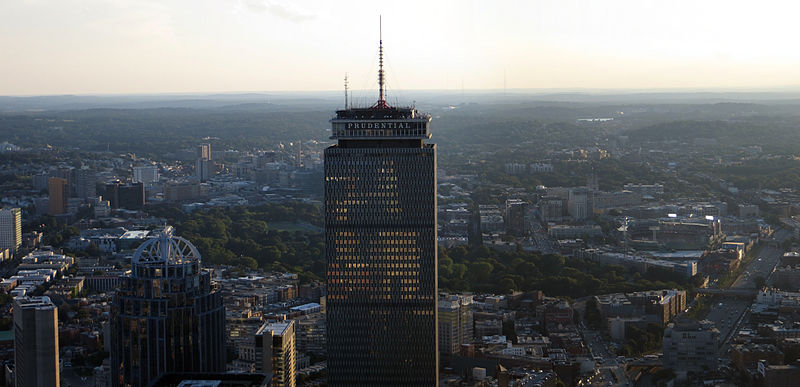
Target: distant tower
x: 204, y: 165
x: 455, y: 323
x: 36, y: 342
x: 515, y: 217
x: 10, y: 229
x: 59, y: 191
x: 275, y: 352
x: 380, y: 232
x: 85, y: 182
x: 128, y: 195
x: 167, y: 316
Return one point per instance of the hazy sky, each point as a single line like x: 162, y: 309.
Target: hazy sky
x: 144, y: 46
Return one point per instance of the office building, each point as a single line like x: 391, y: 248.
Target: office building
x: 167, y: 316
x: 40, y: 181
x: 176, y: 191
x: 59, y: 191
x: 515, y: 217
x: 380, y: 232
x: 275, y: 352
x: 691, y: 346
x: 36, y: 342
x: 204, y: 151
x: 66, y: 173
x: 125, y: 195
x: 311, y: 334
x: 455, y: 323
x: 85, y: 181
x: 145, y: 174
x: 204, y: 167
x: 578, y: 204
x: 10, y: 229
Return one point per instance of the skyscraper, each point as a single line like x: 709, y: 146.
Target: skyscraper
x: 204, y: 166
x: 275, y: 352
x: 127, y: 195
x: 380, y: 230
x: 85, y: 182
x: 455, y: 323
x: 36, y: 342
x: 10, y: 228
x: 167, y: 316
x: 59, y: 191
x: 515, y: 217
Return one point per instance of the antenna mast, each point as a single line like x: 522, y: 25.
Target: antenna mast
x: 381, y: 84
x: 346, y: 105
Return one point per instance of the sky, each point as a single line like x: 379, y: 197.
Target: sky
x: 202, y: 46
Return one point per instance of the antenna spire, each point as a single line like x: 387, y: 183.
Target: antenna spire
x: 381, y: 84
x: 346, y: 104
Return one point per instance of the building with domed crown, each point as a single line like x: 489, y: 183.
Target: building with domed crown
x: 167, y: 315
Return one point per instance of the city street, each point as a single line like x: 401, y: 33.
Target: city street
x: 728, y: 313
x: 606, y: 361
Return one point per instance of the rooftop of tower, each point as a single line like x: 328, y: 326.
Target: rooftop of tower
x: 380, y: 113
x: 381, y: 110
x: 165, y: 249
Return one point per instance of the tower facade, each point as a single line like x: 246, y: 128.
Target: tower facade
x: 204, y: 166
x: 515, y: 217
x: 36, y: 342
x: 59, y: 191
x: 380, y: 231
x: 167, y: 315
x: 455, y: 323
x: 85, y: 182
x: 10, y: 229
x: 275, y: 352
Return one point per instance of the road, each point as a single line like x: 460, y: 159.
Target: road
x: 728, y: 314
x: 606, y: 361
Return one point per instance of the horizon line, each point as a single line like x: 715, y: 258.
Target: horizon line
x: 533, y: 91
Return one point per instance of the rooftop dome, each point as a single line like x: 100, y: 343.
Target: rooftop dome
x: 165, y: 249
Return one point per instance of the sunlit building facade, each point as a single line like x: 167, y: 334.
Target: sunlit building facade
x: 167, y: 315
x: 275, y: 352
x: 10, y: 229
x: 380, y: 230
x: 455, y: 323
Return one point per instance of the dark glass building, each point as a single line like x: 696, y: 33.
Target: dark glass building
x: 167, y: 315
x: 380, y: 238
x: 130, y: 196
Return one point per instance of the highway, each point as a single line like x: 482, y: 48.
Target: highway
x: 728, y: 314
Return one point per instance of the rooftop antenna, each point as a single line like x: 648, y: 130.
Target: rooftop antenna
x: 381, y: 84
x: 346, y: 105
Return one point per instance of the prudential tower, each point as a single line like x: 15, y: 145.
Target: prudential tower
x: 380, y: 232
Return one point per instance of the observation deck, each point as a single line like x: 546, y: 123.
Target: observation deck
x: 380, y: 123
